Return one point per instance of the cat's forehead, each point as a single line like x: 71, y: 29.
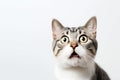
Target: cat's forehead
x: 73, y: 30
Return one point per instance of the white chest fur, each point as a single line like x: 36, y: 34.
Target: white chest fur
x: 74, y: 73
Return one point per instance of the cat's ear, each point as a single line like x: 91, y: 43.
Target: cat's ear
x: 91, y: 26
x: 57, y: 27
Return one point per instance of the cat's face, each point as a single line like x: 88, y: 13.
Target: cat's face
x: 75, y: 46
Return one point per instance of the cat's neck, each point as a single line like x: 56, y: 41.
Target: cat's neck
x: 74, y: 73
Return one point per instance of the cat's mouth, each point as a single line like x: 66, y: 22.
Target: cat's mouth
x: 74, y: 55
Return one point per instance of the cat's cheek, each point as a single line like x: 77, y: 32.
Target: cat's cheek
x: 80, y: 50
x: 66, y: 51
x: 63, y: 57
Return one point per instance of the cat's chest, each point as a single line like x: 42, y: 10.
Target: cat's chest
x: 69, y: 76
x: 63, y: 74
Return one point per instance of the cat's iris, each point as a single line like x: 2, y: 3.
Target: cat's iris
x: 64, y: 39
x: 83, y: 39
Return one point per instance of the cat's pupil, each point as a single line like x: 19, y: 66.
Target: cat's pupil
x: 83, y: 38
x: 64, y: 39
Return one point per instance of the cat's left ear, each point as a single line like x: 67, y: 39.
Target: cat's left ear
x: 91, y: 26
x: 57, y: 28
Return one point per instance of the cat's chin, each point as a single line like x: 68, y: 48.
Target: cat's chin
x: 74, y: 62
x: 77, y: 61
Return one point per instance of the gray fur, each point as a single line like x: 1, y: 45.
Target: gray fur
x: 100, y: 74
x: 92, y: 47
x: 73, y: 33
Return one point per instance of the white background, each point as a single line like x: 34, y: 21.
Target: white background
x: 26, y: 37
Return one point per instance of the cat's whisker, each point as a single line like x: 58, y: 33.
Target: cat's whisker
x: 75, y: 49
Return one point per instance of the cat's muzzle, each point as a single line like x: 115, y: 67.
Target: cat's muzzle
x: 74, y: 55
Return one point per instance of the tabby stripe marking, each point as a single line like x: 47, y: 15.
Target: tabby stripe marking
x: 55, y: 45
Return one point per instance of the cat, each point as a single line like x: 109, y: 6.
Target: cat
x: 74, y: 49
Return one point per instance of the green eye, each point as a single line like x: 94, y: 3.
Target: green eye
x: 64, y: 39
x: 83, y: 39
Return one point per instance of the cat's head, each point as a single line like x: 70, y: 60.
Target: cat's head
x: 74, y: 46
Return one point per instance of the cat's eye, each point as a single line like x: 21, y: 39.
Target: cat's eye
x: 83, y: 39
x: 64, y: 39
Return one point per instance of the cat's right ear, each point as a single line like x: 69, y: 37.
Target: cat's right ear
x: 57, y: 27
x: 91, y: 26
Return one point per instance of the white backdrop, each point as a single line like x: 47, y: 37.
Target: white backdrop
x: 26, y: 38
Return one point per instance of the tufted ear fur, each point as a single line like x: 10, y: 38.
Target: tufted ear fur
x: 91, y: 26
x: 57, y: 27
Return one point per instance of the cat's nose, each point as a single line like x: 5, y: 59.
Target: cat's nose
x: 74, y: 44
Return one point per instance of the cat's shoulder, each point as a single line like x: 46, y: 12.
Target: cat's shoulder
x: 100, y: 74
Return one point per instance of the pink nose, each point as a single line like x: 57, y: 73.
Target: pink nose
x: 74, y: 44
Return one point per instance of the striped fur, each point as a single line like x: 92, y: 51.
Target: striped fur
x: 75, y: 49
x: 91, y: 46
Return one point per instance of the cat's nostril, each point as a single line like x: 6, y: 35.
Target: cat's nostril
x: 74, y: 44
